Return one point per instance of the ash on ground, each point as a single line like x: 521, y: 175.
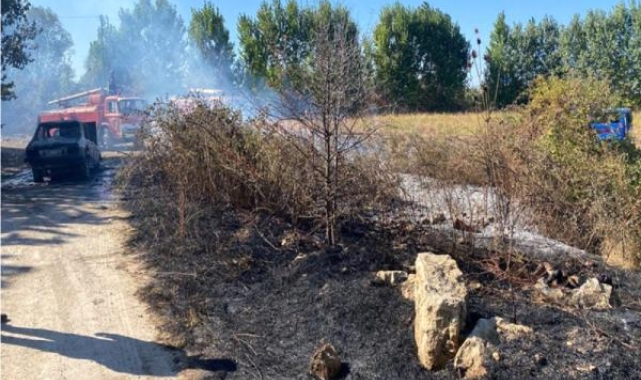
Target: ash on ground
x: 264, y: 294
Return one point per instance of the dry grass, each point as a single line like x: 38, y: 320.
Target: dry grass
x: 440, y: 124
x: 636, y: 128
x: 578, y: 191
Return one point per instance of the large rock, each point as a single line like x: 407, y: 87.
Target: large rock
x: 473, y: 359
x: 440, y: 304
x: 407, y: 288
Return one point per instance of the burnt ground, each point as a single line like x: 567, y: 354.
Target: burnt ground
x: 246, y: 297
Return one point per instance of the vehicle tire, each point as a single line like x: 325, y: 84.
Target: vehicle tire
x: 97, y: 164
x: 38, y: 176
x: 85, y: 169
x: 104, y: 139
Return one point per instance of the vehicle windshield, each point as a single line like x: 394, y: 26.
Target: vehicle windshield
x: 69, y: 130
x: 128, y: 106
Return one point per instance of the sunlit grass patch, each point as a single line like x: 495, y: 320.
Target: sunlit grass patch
x: 442, y: 124
x: 635, y: 132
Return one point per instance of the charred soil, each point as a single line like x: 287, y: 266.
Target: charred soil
x: 264, y: 295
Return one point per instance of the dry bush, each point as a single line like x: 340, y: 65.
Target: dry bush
x: 198, y: 164
x: 582, y: 191
x: 545, y: 165
x: 456, y: 165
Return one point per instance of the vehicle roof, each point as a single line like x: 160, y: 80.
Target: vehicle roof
x: 58, y: 122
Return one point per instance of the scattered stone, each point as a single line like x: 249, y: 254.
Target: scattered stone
x: 594, y: 295
x: 473, y: 360
x: 511, y: 331
x: 543, y: 293
x: 587, y: 368
x: 289, y: 238
x: 392, y: 277
x: 475, y: 285
x: 440, y: 304
x: 470, y: 359
x: 326, y: 364
x: 496, y: 356
x: 540, y: 359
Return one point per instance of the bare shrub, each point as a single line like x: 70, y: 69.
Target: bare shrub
x: 325, y: 112
x: 202, y: 162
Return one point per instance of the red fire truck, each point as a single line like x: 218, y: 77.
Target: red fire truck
x: 117, y: 117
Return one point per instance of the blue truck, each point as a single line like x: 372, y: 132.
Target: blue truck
x: 617, y: 126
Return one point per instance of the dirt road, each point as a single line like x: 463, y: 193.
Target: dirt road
x: 67, y: 287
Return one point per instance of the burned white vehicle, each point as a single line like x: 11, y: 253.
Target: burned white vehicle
x: 60, y: 147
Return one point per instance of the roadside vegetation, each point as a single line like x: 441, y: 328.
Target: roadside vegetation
x: 232, y: 212
x: 544, y: 158
x: 263, y: 231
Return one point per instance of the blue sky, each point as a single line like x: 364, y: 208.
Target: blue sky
x: 80, y: 17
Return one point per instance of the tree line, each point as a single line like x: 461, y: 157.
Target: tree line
x: 416, y: 59
x: 606, y: 45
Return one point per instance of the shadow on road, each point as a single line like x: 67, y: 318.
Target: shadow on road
x: 11, y: 270
x: 108, y: 350
x: 36, y: 214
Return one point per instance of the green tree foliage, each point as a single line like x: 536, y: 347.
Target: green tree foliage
x: 500, y: 78
x: 517, y: 55
x: 49, y: 74
x: 17, y: 32
x: 275, y: 44
x: 420, y: 58
x: 208, y: 33
x: 146, y: 49
x: 606, y: 45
